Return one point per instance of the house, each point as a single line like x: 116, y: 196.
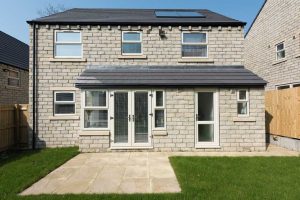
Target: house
x: 272, y: 49
x: 143, y: 79
x: 14, y: 66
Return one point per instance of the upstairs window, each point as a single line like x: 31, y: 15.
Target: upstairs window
x: 13, y: 78
x: 194, y: 45
x: 159, y: 110
x: 67, y: 44
x: 280, y: 51
x: 131, y: 43
x: 64, y: 103
x: 243, y: 103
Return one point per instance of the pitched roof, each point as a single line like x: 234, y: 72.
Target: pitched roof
x: 112, y: 76
x: 13, y: 52
x: 134, y: 16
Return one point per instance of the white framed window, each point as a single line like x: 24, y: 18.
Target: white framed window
x: 287, y: 86
x: 67, y: 44
x: 243, y: 102
x: 280, y: 51
x: 159, y: 111
x: 13, y: 78
x: 194, y: 45
x: 132, y: 43
x: 64, y: 103
x: 95, y: 109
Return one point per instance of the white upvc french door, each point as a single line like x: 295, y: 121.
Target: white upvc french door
x: 207, y: 118
x: 131, y: 119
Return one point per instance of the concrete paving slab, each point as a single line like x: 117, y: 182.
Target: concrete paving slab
x: 125, y: 172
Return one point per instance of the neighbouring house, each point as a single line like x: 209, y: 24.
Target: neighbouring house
x: 272, y: 49
x: 14, y: 66
x: 143, y: 79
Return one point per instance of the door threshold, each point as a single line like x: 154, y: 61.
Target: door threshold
x: 130, y: 148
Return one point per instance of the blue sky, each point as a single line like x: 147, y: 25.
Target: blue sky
x: 14, y: 13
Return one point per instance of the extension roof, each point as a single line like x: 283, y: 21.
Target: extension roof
x: 190, y: 76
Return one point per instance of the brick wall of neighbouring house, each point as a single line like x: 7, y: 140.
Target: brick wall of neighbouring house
x: 102, y: 47
x: 13, y: 95
x: 278, y: 21
x: 248, y: 135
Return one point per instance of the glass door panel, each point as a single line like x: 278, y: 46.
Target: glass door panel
x: 121, y: 117
x: 207, y: 131
x: 141, y: 117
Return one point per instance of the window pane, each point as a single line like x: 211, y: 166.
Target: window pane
x: 64, y: 108
x: 242, y: 108
x: 141, y: 117
x: 205, y: 132
x: 205, y: 106
x: 194, y: 37
x: 121, y: 117
x: 159, y: 118
x: 131, y: 36
x: 159, y: 98
x: 242, y: 95
x: 13, y: 82
x: 68, y: 37
x: 280, y: 47
x: 132, y: 48
x: 280, y: 54
x: 194, y: 51
x: 13, y: 74
x: 65, y: 96
x: 95, y: 98
x: 95, y: 119
x: 283, y: 87
x: 68, y: 50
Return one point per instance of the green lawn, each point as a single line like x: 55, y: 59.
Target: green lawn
x: 199, y: 177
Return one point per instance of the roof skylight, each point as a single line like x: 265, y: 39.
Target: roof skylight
x: 178, y: 14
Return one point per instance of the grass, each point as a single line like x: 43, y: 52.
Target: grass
x: 199, y: 177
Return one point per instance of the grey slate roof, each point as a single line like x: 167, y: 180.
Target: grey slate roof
x: 13, y: 52
x: 133, y: 16
x: 112, y: 76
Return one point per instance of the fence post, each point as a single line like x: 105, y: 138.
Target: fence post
x: 17, y: 125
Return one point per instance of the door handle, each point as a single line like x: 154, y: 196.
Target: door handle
x: 129, y: 118
x: 133, y: 118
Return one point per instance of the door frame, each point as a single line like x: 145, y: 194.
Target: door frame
x: 216, y: 122
x: 131, y: 144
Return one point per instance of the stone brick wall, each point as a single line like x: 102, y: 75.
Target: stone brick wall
x: 10, y: 94
x: 236, y: 134
x: 103, y: 47
x: 279, y: 21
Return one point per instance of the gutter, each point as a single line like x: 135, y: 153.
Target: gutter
x: 34, y: 87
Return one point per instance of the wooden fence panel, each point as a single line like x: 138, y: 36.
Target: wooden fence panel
x: 283, y: 112
x: 13, y: 126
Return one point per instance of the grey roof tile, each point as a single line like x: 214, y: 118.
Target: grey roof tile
x: 111, y: 76
x: 133, y: 16
x: 13, y: 52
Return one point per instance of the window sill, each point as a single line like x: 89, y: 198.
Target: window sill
x: 67, y: 59
x: 132, y: 57
x: 244, y: 119
x: 94, y: 133
x: 9, y: 87
x: 208, y: 147
x: 279, y: 61
x: 65, y: 117
x: 195, y: 60
x: 159, y: 133
x: 129, y: 148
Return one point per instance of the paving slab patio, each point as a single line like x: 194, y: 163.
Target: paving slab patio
x: 127, y: 172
